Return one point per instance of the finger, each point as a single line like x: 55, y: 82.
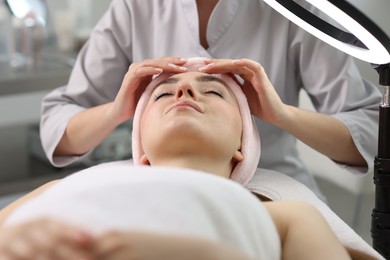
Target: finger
x: 174, y: 59
x: 68, y: 242
x: 141, y: 72
x: 216, y: 63
x: 253, y: 66
x: 230, y: 67
x: 30, y: 250
x: 36, y: 243
x: 69, y: 233
x: 63, y: 242
x: 65, y: 252
x: 21, y: 249
x: 249, y: 63
x: 249, y: 70
x: 16, y: 242
x: 16, y: 250
x: 168, y: 64
x: 169, y: 67
x: 223, y: 66
x: 46, y: 236
x: 108, y: 244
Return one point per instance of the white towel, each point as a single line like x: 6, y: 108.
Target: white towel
x: 119, y: 196
x: 273, y: 185
x: 277, y: 186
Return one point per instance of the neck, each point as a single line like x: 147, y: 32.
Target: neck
x: 206, y: 4
x: 205, y: 8
x: 196, y: 162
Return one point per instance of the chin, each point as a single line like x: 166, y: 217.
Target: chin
x: 187, y: 126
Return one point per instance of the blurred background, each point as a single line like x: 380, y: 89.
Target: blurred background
x: 39, y: 43
x: 38, y: 46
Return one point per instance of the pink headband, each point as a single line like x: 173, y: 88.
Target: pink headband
x: 250, y: 146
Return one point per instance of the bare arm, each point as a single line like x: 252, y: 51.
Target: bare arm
x: 86, y: 130
x: 304, y: 232
x: 312, y: 128
x: 90, y: 127
x: 153, y: 246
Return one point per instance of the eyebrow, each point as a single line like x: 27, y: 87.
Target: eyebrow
x: 203, y: 78
x: 168, y: 81
x: 208, y: 78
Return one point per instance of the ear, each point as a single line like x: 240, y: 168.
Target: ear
x: 237, y: 156
x: 144, y: 160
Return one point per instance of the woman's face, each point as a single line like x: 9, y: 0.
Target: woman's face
x: 191, y: 112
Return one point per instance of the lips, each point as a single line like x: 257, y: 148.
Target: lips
x: 185, y: 105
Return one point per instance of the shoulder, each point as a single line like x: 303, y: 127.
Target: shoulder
x: 278, y: 186
x: 8, y: 210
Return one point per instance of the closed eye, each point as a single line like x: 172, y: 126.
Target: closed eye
x: 215, y: 92
x: 161, y: 94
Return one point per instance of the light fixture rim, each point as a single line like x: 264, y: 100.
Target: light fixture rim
x: 378, y: 49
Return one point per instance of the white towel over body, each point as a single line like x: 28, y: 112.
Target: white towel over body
x: 119, y: 196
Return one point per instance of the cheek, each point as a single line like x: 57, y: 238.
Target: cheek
x: 149, y: 117
x: 237, y: 126
x: 146, y: 124
x: 230, y: 118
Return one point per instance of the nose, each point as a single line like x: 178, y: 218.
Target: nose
x: 185, y: 90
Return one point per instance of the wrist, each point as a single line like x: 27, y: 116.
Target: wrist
x: 285, y: 119
x: 113, y: 117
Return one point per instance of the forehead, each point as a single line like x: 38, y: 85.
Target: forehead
x: 197, y: 76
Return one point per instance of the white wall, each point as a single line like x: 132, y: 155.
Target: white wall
x: 379, y: 12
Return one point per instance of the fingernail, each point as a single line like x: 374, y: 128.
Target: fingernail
x: 159, y: 70
x: 177, y: 67
x: 183, y: 59
x: 236, y: 61
x: 172, y: 65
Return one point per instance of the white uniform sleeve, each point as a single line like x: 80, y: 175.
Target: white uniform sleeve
x: 335, y: 86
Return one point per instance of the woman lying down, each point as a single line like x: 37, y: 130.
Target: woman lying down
x: 195, y: 147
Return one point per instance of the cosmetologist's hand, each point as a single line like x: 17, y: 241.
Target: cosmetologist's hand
x: 263, y: 100
x: 136, y: 80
